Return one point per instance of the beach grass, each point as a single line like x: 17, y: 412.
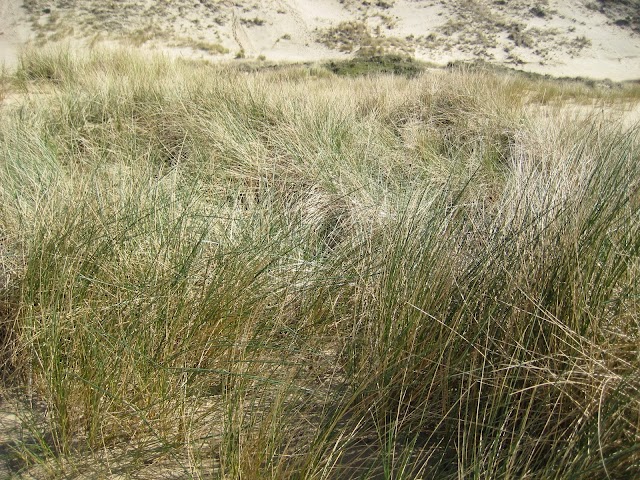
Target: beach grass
x: 284, y: 273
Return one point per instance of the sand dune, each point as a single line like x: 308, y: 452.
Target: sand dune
x: 557, y: 37
x: 15, y: 30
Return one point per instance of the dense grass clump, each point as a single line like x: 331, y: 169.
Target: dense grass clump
x: 376, y: 64
x: 209, y: 273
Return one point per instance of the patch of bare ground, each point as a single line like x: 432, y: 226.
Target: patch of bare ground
x: 14, y: 32
x: 9, y: 430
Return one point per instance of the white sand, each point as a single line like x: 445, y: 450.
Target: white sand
x: 614, y: 52
x: 14, y: 31
x: 288, y: 30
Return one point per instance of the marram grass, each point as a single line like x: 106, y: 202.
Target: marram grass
x: 285, y: 274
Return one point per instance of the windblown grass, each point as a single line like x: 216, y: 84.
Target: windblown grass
x: 284, y: 274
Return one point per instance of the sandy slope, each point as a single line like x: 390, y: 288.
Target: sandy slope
x: 614, y: 52
x: 558, y: 37
x: 15, y: 30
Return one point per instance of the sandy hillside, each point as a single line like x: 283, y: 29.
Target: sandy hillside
x: 560, y: 37
x: 15, y: 30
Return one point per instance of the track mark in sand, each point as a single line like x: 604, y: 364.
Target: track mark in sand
x: 288, y: 7
x: 295, y: 13
x: 239, y: 33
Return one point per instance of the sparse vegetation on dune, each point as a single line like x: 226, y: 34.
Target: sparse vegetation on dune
x: 286, y: 274
x: 561, y: 39
x: 624, y: 13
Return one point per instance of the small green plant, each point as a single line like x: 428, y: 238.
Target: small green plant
x: 581, y: 42
x: 356, y: 37
x: 208, y: 47
x: 521, y: 37
x: 538, y: 11
x: 346, y: 36
x: 255, y: 22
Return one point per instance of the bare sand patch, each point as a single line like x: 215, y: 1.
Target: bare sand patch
x: 15, y: 31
